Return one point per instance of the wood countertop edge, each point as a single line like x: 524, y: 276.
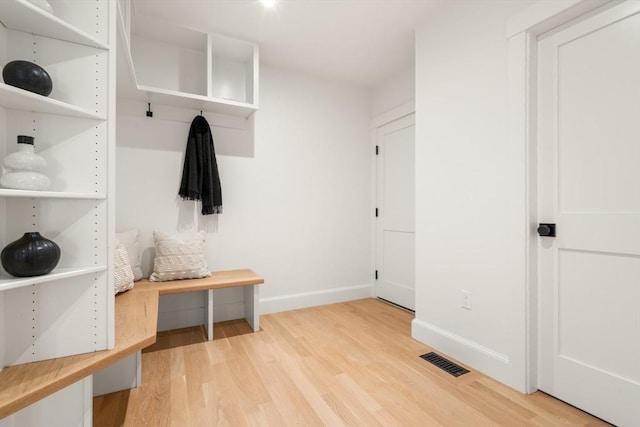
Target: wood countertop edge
x: 62, y: 372
x: 65, y: 371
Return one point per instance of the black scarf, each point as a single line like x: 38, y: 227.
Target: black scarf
x: 200, y: 180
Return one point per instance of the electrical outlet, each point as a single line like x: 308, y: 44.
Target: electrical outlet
x: 466, y: 300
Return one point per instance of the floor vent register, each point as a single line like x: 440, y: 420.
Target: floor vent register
x: 444, y: 364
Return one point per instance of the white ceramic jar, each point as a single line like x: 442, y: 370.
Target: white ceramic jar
x: 25, y: 180
x: 25, y: 158
x: 23, y: 166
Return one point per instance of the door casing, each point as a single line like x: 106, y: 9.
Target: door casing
x: 395, y: 226
x: 376, y: 122
x: 522, y: 32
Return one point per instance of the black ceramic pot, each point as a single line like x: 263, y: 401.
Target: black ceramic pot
x: 28, y: 76
x: 31, y: 255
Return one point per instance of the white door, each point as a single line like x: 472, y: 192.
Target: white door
x: 395, y: 242
x: 589, y: 186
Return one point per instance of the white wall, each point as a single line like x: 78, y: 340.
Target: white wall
x: 470, y: 192
x: 394, y: 91
x: 296, y: 202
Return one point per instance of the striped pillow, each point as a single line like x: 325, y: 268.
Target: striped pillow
x: 122, y: 273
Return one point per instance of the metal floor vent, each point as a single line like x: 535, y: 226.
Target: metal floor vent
x: 444, y: 364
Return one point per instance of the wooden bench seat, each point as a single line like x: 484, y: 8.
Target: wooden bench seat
x: 218, y: 280
x: 136, y: 316
x: 21, y: 385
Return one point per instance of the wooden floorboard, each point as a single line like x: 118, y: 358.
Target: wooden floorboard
x: 347, y: 364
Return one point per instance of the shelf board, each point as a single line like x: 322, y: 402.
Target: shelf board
x: 33, y: 194
x: 197, y: 102
x: 7, y: 282
x: 18, y: 99
x: 23, y: 16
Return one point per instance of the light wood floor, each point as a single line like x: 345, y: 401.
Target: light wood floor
x: 348, y: 364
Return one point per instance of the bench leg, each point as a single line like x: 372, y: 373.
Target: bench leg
x: 251, y: 306
x: 138, y: 368
x: 209, y: 315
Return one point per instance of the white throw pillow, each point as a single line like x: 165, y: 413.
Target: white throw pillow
x: 121, y: 269
x: 130, y: 241
x: 177, y: 259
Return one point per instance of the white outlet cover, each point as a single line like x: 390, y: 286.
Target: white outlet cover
x: 466, y: 300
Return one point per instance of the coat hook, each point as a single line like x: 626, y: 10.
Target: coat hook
x: 149, y: 112
x: 200, y: 112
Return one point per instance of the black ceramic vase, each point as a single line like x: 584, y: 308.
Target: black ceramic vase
x: 28, y: 76
x: 31, y: 255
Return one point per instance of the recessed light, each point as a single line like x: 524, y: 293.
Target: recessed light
x: 269, y: 4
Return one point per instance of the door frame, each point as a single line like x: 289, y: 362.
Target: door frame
x: 521, y: 33
x: 376, y: 122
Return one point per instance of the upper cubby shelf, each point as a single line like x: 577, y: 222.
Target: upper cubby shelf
x: 195, y: 102
x: 23, y: 16
x: 18, y: 99
x: 161, y: 63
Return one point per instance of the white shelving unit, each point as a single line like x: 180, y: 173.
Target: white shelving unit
x: 70, y: 310
x: 164, y: 64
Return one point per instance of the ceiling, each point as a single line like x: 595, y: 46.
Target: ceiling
x: 360, y: 42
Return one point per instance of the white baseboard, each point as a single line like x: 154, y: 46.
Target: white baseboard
x: 314, y: 298
x: 182, y: 315
x: 476, y: 356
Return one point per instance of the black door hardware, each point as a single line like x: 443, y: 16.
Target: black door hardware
x: 547, y: 230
